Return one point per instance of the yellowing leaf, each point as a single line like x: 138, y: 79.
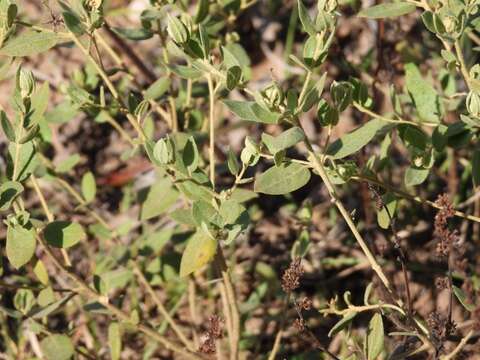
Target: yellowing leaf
x: 199, y: 251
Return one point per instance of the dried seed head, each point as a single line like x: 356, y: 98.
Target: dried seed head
x: 299, y: 324
x: 437, y: 326
x: 306, y: 303
x: 214, y: 332
x: 291, y: 276
x: 441, y: 283
x: 208, y: 346
x: 445, y: 237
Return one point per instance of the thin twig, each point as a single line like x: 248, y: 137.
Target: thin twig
x: 162, y: 309
x: 93, y: 295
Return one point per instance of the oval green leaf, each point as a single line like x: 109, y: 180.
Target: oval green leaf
x: 20, y: 245
x: 283, y: 179
x: 199, y: 251
x: 387, y: 10
x: 64, y: 234
x: 57, y: 347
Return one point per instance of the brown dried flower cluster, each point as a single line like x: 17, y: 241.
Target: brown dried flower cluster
x: 214, y: 332
x: 441, y: 283
x: 306, y: 303
x: 440, y: 329
x: 291, y: 276
x: 445, y: 237
x: 299, y: 324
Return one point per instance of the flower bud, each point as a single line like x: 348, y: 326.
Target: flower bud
x: 273, y: 95
x: 341, y: 94
x: 473, y: 103
x: 25, y: 83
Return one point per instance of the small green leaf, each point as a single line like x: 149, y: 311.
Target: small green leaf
x: 149, y: 198
x: 177, y: 31
x: 234, y: 74
x: 64, y: 234
x: 114, y: 340
x: 20, y: 246
x: 30, y: 43
x: 358, y: 138
x: 375, y: 337
x: 200, y: 250
x: 339, y: 326
x: 415, y: 176
x: 68, y: 164
x: 9, y: 190
x: 41, y: 272
x: 201, y: 11
x: 89, y: 187
x: 190, y: 155
x: 114, y: 279
x: 7, y: 127
x: 283, y: 141
x: 157, y: 89
x: 24, y: 300
x: 424, y: 96
x: 138, y: 34
x: 383, y: 217
x: 251, y: 111
x: 387, y: 10
x: 232, y: 162
x: 307, y: 23
x: 27, y: 160
x: 51, y: 307
x: 73, y: 23
x: 57, y: 347
x: 283, y: 179
x: 460, y: 295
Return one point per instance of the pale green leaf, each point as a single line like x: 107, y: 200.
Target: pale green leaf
x: 283, y: 141
x: 157, y: 199
x: 424, y: 96
x: 27, y: 160
x: 387, y: 10
x: 339, y: 326
x: 64, y: 234
x: 352, y: 142
x: 157, y: 89
x: 251, y: 111
x: 305, y: 19
x: 57, y: 347
x: 200, y: 250
x: 68, y: 164
x: 383, y: 217
x: 460, y: 295
x: 415, y: 176
x: 20, y: 246
x: 89, y: 187
x: 283, y: 179
x: 9, y: 191
x: 375, y: 337
x: 134, y: 34
x: 114, y: 340
x: 30, y: 43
